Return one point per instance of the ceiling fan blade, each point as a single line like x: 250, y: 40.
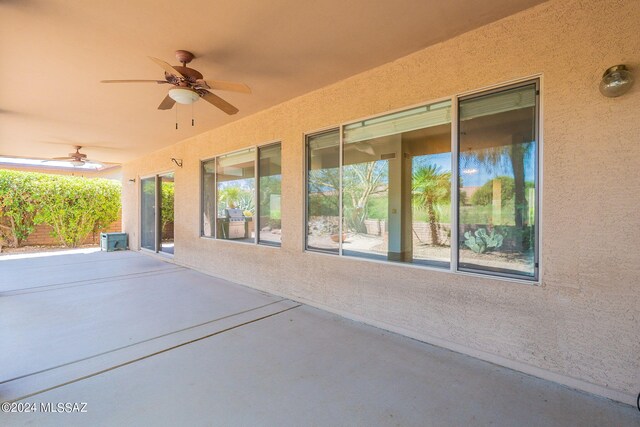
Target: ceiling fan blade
x: 166, y: 67
x: 60, y: 158
x: 134, y: 81
x: 166, y: 104
x: 220, y: 103
x: 222, y: 85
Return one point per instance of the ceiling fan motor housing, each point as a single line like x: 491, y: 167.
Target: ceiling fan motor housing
x: 190, y: 74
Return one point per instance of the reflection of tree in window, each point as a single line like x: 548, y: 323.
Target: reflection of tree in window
x: 361, y: 182
x: 235, y: 195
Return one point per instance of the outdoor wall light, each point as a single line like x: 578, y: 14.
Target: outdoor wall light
x: 616, y: 81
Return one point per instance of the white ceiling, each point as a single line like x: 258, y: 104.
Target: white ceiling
x: 54, y: 53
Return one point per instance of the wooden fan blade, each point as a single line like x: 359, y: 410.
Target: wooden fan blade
x: 134, y: 81
x: 166, y: 104
x: 220, y: 103
x: 166, y: 67
x: 222, y: 85
x: 61, y: 158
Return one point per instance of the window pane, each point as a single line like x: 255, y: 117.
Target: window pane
x: 270, y: 192
x: 235, y: 177
x: 208, y: 198
x: 323, y: 197
x: 396, y: 190
x: 497, y: 192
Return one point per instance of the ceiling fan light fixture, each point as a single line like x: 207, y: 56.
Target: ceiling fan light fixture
x: 77, y: 162
x: 183, y: 95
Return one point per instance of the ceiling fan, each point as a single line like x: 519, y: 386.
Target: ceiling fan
x: 189, y: 85
x: 76, y: 159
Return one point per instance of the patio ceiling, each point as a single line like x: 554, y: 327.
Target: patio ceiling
x: 55, y: 52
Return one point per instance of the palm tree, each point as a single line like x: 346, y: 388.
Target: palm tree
x: 431, y: 187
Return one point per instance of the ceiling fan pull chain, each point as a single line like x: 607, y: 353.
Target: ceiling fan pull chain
x: 192, y: 119
x: 176, y: 116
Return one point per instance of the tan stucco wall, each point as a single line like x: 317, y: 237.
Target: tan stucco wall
x: 581, y: 326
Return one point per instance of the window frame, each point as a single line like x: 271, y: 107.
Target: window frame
x: 537, y: 118
x: 258, y: 176
x: 305, y: 213
x: 454, y: 257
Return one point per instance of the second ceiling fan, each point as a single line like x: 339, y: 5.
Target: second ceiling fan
x: 190, y: 85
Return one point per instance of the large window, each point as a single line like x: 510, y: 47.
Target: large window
x: 382, y: 188
x: 235, y: 190
x: 237, y: 207
x: 395, y: 188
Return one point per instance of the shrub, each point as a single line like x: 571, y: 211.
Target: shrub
x: 167, y: 204
x: 484, y: 195
x: 75, y: 207
x: 18, y: 199
x: 72, y: 206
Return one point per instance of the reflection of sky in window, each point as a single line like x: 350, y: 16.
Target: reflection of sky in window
x: 441, y: 160
x: 472, y: 173
x: 243, y: 184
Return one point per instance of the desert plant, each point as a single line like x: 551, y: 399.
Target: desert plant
x: 506, y: 157
x: 481, y: 242
x: 360, y: 183
x: 235, y: 197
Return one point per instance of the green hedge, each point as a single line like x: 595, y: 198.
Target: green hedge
x: 72, y: 206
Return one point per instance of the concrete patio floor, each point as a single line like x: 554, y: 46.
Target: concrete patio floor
x: 142, y: 341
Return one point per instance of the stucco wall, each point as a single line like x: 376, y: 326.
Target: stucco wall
x: 581, y: 325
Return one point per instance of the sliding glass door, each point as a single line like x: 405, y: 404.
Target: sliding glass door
x: 148, y: 224
x: 157, y: 212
